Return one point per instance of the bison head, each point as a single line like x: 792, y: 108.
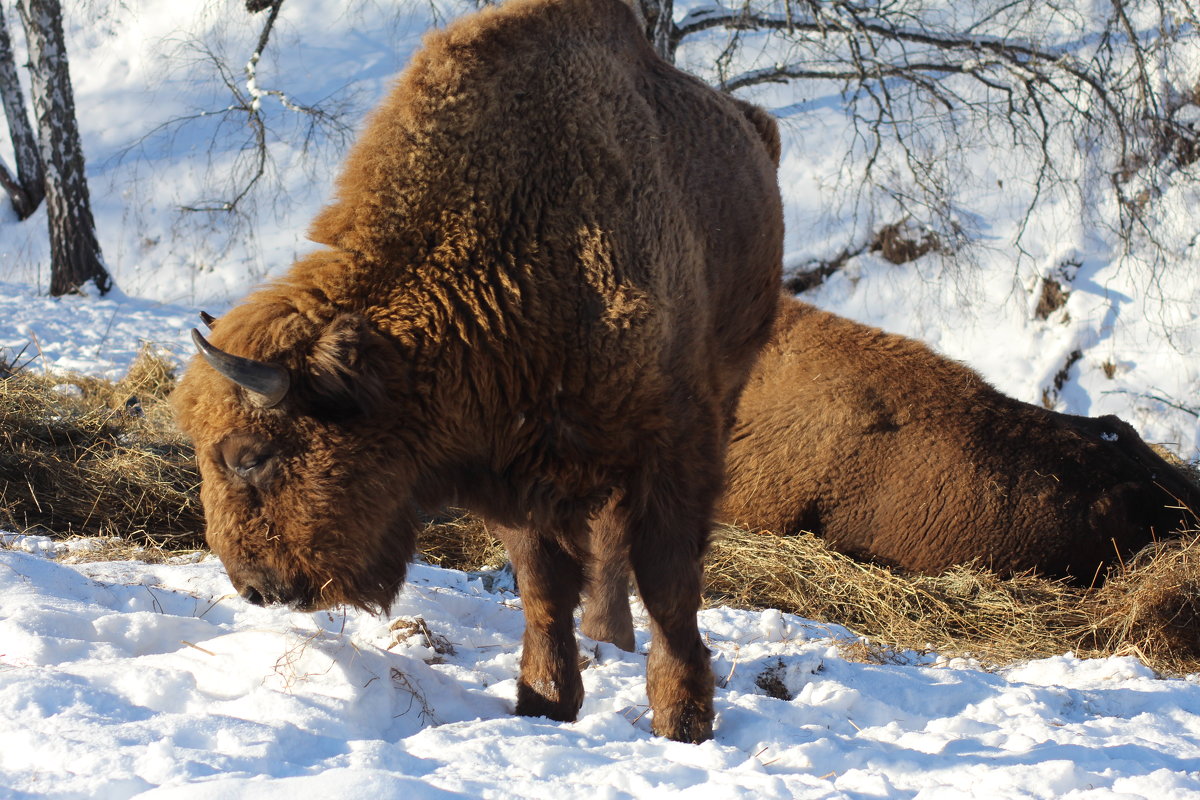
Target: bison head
x: 305, y: 484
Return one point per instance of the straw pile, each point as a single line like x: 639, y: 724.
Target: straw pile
x: 964, y: 612
x: 85, y: 456
x: 457, y: 540
x: 1149, y: 608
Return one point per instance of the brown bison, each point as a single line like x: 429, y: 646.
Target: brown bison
x: 894, y: 454
x: 552, y: 260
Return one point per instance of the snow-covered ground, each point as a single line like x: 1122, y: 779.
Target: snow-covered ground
x: 120, y: 679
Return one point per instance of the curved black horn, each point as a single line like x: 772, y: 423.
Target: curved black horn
x: 269, y: 383
x: 208, y: 319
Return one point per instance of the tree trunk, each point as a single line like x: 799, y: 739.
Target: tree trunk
x: 75, y: 252
x: 25, y: 188
x: 657, y: 18
x: 664, y: 27
x: 12, y: 187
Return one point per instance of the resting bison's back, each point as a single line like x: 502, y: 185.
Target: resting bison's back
x: 893, y: 453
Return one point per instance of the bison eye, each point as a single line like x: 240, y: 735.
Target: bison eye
x: 250, y: 463
x: 250, y: 460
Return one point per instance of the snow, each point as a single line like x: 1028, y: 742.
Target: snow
x: 123, y: 679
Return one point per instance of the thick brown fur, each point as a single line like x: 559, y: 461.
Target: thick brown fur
x: 897, y: 455
x: 550, y: 264
x: 894, y: 453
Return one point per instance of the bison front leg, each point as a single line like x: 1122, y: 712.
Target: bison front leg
x: 551, y: 580
x: 665, y: 551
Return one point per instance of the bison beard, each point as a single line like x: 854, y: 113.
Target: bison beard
x: 550, y: 264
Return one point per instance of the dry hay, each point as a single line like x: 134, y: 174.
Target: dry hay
x: 1149, y: 608
x: 457, y: 540
x: 964, y: 612
x: 81, y: 455
x: 85, y: 456
x: 1190, y: 469
x: 91, y: 549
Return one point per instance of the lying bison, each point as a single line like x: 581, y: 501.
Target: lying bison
x: 895, y: 454
x: 552, y: 260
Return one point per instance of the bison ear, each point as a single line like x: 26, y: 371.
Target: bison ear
x: 343, y: 366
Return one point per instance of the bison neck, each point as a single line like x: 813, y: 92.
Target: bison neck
x: 495, y: 414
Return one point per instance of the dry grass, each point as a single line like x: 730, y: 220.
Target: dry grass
x: 81, y: 456
x: 85, y: 456
x: 110, y: 548
x: 963, y: 612
x: 1150, y: 608
x: 460, y: 541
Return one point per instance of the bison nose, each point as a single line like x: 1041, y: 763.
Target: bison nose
x: 252, y: 595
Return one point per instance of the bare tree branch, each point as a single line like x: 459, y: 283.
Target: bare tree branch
x: 914, y: 79
x: 247, y: 113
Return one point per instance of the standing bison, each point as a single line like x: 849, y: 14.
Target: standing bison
x: 894, y: 454
x: 551, y: 261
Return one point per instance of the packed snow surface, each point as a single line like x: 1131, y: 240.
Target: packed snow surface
x: 126, y: 679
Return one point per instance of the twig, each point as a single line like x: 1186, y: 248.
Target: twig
x: 38, y: 346
x: 1165, y: 401
x: 214, y: 603
x: 197, y: 647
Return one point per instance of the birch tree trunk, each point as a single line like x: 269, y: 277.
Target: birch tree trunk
x: 75, y: 252
x: 657, y: 19
x: 25, y: 188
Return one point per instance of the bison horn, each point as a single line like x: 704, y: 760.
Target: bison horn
x: 269, y: 382
x: 208, y: 319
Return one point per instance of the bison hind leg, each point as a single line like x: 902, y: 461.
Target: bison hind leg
x: 679, y: 678
x: 606, y: 614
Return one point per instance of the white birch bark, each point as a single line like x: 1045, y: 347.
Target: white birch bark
x: 75, y: 252
x: 25, y: 187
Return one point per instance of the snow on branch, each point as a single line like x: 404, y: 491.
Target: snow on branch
x: 915, y: 77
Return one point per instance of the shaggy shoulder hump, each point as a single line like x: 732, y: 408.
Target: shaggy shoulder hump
x: 457, y: 91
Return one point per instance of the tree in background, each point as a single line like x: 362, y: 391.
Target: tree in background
x: 260, y: 137
x: 75, y: 252
x: 1091, y: 97
x: 25, y: 188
